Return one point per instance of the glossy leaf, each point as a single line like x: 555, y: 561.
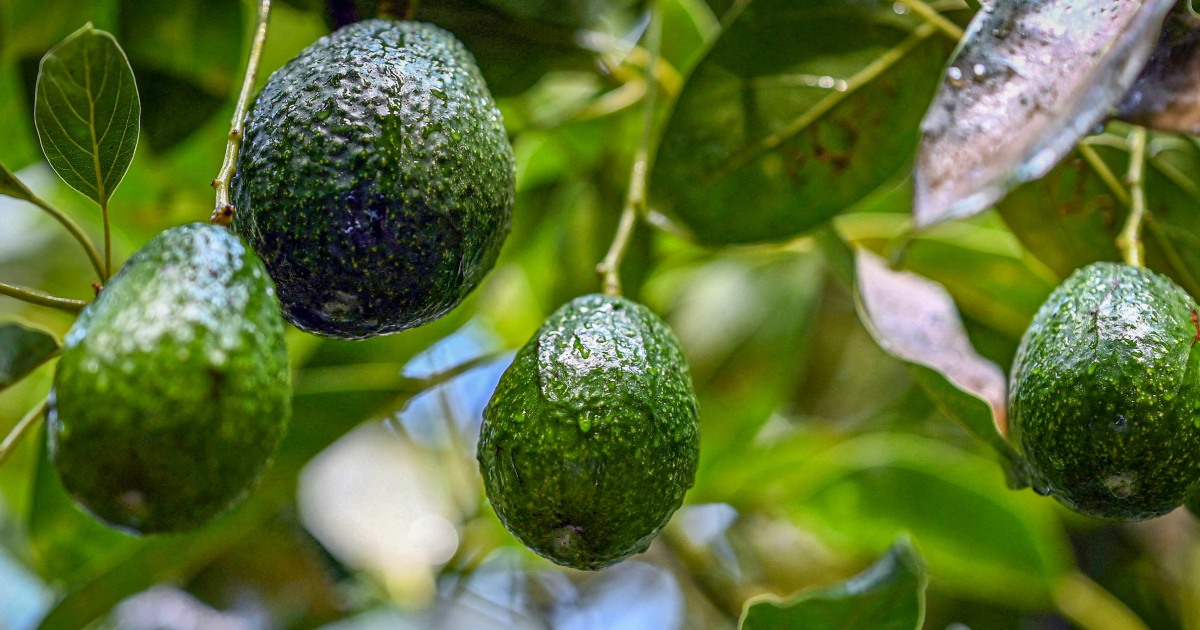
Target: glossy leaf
x: 87, y: 112
x: 1166, y: 96
x: 22, y: 350
x: 916, y: 321
x: 780, y: 126
x: 1030, y: 79
x: 11, y: 186
x: 888, y: 595
x: 186, y: 56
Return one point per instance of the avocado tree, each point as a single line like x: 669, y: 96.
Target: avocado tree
x: 599, y: 313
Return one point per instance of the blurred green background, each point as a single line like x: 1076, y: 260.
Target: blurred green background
x: 818, y: 448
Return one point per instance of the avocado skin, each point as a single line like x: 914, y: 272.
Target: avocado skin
x: 591, y: 440
x: 173, y: 390
x: 1104, y: 397
x: 375, y: 180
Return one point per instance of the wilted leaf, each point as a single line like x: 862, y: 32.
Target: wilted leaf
x: 1166, y: 96
x: 185, y: 55
x: 780, y: 125
x: 87, y: 112
x: 1030, y: 79
x: 22, y: 350
x: 889, y: 595
x: 11, y: 186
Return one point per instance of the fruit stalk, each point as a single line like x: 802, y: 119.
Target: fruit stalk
x: 1130, y: 239
x: 223, y: 211
x: 635, y: 200
x: 39, y: 298
x: 23, y: 426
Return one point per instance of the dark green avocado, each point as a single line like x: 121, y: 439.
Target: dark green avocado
x: 590, y: 440
x: 173, y: 391
x: 375, y: 179
x: 1105, y: 394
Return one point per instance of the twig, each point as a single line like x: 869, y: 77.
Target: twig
x: 1130, y: 239
x: 223, y: 212
x: 33, y: 296
x: 75, y: 230
x: 929, y: 14
x: 635, y: 201
x: 23, y: 426
x: 1091, y: 607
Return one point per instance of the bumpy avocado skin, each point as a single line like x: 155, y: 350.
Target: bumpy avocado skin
x: 173, y: 390
x: 375, y: 180
x: 1105, y: 394
x: 591, y: 439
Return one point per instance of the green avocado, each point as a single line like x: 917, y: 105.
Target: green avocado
x: 173, y: 390
x: 375, y: 179
x: 590, y: 440
x: 1104, y: 398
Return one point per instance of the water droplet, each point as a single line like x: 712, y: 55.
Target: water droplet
x: 955, y: 76
x: 1119, y: 425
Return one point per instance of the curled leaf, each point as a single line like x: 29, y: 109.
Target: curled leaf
x: 87, y: 112
x: 889, y: 595
x: 1166, y: 96
x: 1029, y: 80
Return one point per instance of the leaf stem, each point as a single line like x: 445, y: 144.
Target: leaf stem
x: 635, y: 200
x: 21, y: 429
x: 1091, y: 607
x: 107, y: 242
x: 1130, y: 239
x: 33, y: 296
x: 223, y: 211
x: 950, y: 29
x: 75, y: 230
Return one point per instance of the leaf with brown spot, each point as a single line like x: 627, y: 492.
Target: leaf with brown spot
x: 1029, y: 80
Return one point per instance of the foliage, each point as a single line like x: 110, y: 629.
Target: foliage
x: 849, y: 368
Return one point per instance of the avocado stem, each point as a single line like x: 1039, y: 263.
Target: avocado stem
x: 931, y: 15
x: 1130, y: 239
x: 39, y: 298
x: 223, y: 211
x: 23, y: 426
x: 635, y: 200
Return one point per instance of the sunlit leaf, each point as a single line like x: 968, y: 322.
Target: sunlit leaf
x: 1031, y: 78
x: 87, y: 112
x: 780, y: 125
x: 1166, y: 96
x: 888, y: 595
x: 22, y: 350
x: 11, y: 186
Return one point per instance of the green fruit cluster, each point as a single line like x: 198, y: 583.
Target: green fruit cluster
x: 1104, y: 398
x: 375, y: 180
x: 173, y: 391
x: 590, y: 440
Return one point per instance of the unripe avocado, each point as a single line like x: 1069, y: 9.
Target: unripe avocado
x: 375, y: 180
x: 1105, y: 394
x: 173, y: 391
x: 590, y: 440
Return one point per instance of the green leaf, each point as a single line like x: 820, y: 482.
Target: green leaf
x: 889, y: 595
x: 780, y: 126
x: 22, y: 350
x: 1166, y: 96
x: 87, y: 112
x: 13, y: 187
x: 186, y: 55
x: 1029, y: 80
x: 915, y: 320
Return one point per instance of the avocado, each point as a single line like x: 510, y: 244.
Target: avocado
x: 1104, y: 398
x: 173, y: 390
x: 375, y: 179
x: 590, y: 440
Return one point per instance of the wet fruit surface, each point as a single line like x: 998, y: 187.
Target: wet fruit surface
x: 172, y: 392
x: 1105, y: 394
x: 591, y: 440
x: 375, y: 179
